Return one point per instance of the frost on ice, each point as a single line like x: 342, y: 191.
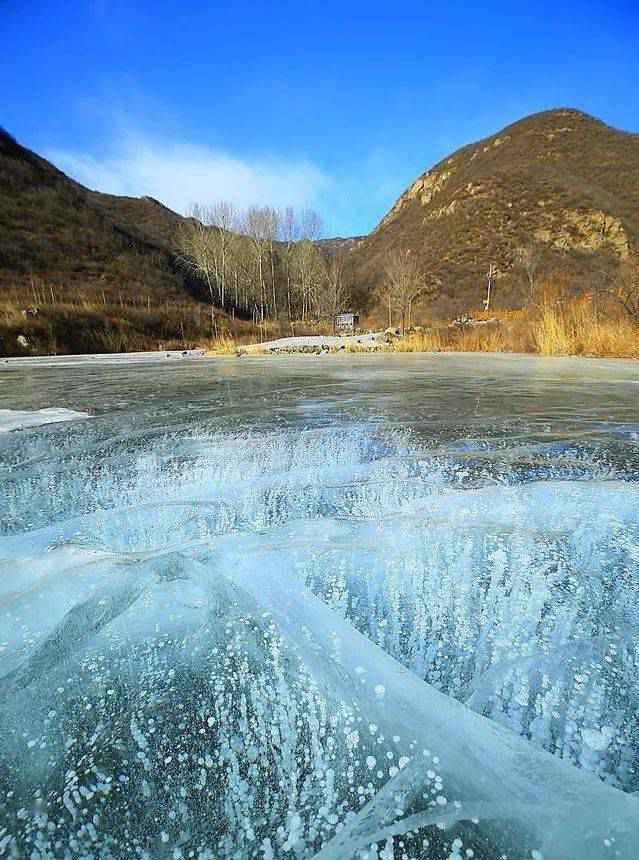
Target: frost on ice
x: 15, y: 419
x: 316, y: 644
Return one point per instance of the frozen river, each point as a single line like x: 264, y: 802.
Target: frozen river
x: 335, y: 607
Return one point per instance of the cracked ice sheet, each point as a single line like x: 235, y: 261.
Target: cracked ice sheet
x: 351, y: 667
x: 480, y: 762
x: 486, y: 772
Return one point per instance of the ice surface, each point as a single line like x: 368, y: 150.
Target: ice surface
x: 351, y: 641
x: 101, y: 359
x: 16, y: 419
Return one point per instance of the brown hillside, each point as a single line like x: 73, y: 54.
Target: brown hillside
x: 561, y: 179
x: 57, y: 232
x: 103, y: 272
x: 101, y: 269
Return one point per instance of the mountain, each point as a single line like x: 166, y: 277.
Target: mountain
x: 104, y: 273
x: 55, y: 231
x: 560, y: 179
x: 102, y: 269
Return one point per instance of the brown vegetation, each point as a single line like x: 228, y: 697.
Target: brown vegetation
x: 265, y: 263
x: 106, y: 273
x: 550, y: 203
x: 578, y: 329
x: 556, y: 191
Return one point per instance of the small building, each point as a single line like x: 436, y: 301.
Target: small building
x: 346, y: 321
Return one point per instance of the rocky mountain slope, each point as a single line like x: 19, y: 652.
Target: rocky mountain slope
x: 559, y: 179
x: 57, y: 234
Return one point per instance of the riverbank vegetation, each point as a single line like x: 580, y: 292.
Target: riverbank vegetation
x: 559, y: 320
x: 581, y: 325
x: 261, y: 274
x: 560, y: 317
x: 568, y: 331
x: 265, y: 264
x: 269, y: 265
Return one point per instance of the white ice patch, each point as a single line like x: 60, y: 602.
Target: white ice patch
x: 598, y: 739
x: 20, y: 419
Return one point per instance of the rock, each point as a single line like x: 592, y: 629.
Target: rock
x: 468, y: 322
x: 461, y: 322
x: 23, y: 341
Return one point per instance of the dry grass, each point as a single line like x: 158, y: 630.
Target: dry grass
x: 509, y: 337
x: 573, y: 329
x: 69, y: 321
x: 88, y: 327
x: 481, y: 340
x: 563, y: 325
x: 551, y: 333
x: 505, y: 315
x: 430, y: 340
x: 577, y: 329
x: 222, y: 346
x: 566, y: 329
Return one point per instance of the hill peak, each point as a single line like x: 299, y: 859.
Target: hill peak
x: 559, y: 178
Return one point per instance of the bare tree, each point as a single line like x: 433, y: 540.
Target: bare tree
x: 310, y: 225
x: 628, y: 289
x: 306, y: 274
x: 289, y: 234
x: 241, y: 270
x: 528, y: 259
x: 196, y: 246
x: 385, y: 297
x: 244, y: 256
x: 271, y: 219
x: 257, y: 229
x: 306, y: 261
x: 223, y: 220
x: 622, y: 288
x: 403, y: 283
x: 334, y: 294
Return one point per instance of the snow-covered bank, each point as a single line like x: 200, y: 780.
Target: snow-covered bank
x: 20, y: 419
x: 316, y: 342
x: 99, y: 358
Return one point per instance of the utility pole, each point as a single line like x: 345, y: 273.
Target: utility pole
x: 492, y: 271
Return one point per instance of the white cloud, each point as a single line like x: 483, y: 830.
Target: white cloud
x: 179, y: 174
x: 138, y: 162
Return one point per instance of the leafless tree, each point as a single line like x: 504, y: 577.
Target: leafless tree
x: 628, y: 288
x: 289, y: 234
x: 272, y: 218
x: 334, y: 293
x: 260, y: 259
x: 196, y: 246
x: 258, y: 231
x: 241, y: 267
x: 622, y: 289
x: 310, y: 225
x: 223, y: 220
x: 403, y: 283
x: 306, y: 274
x: 528, y: 259
x: 306, y: 267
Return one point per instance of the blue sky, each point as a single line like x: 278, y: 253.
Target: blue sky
x: 335, y: 106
